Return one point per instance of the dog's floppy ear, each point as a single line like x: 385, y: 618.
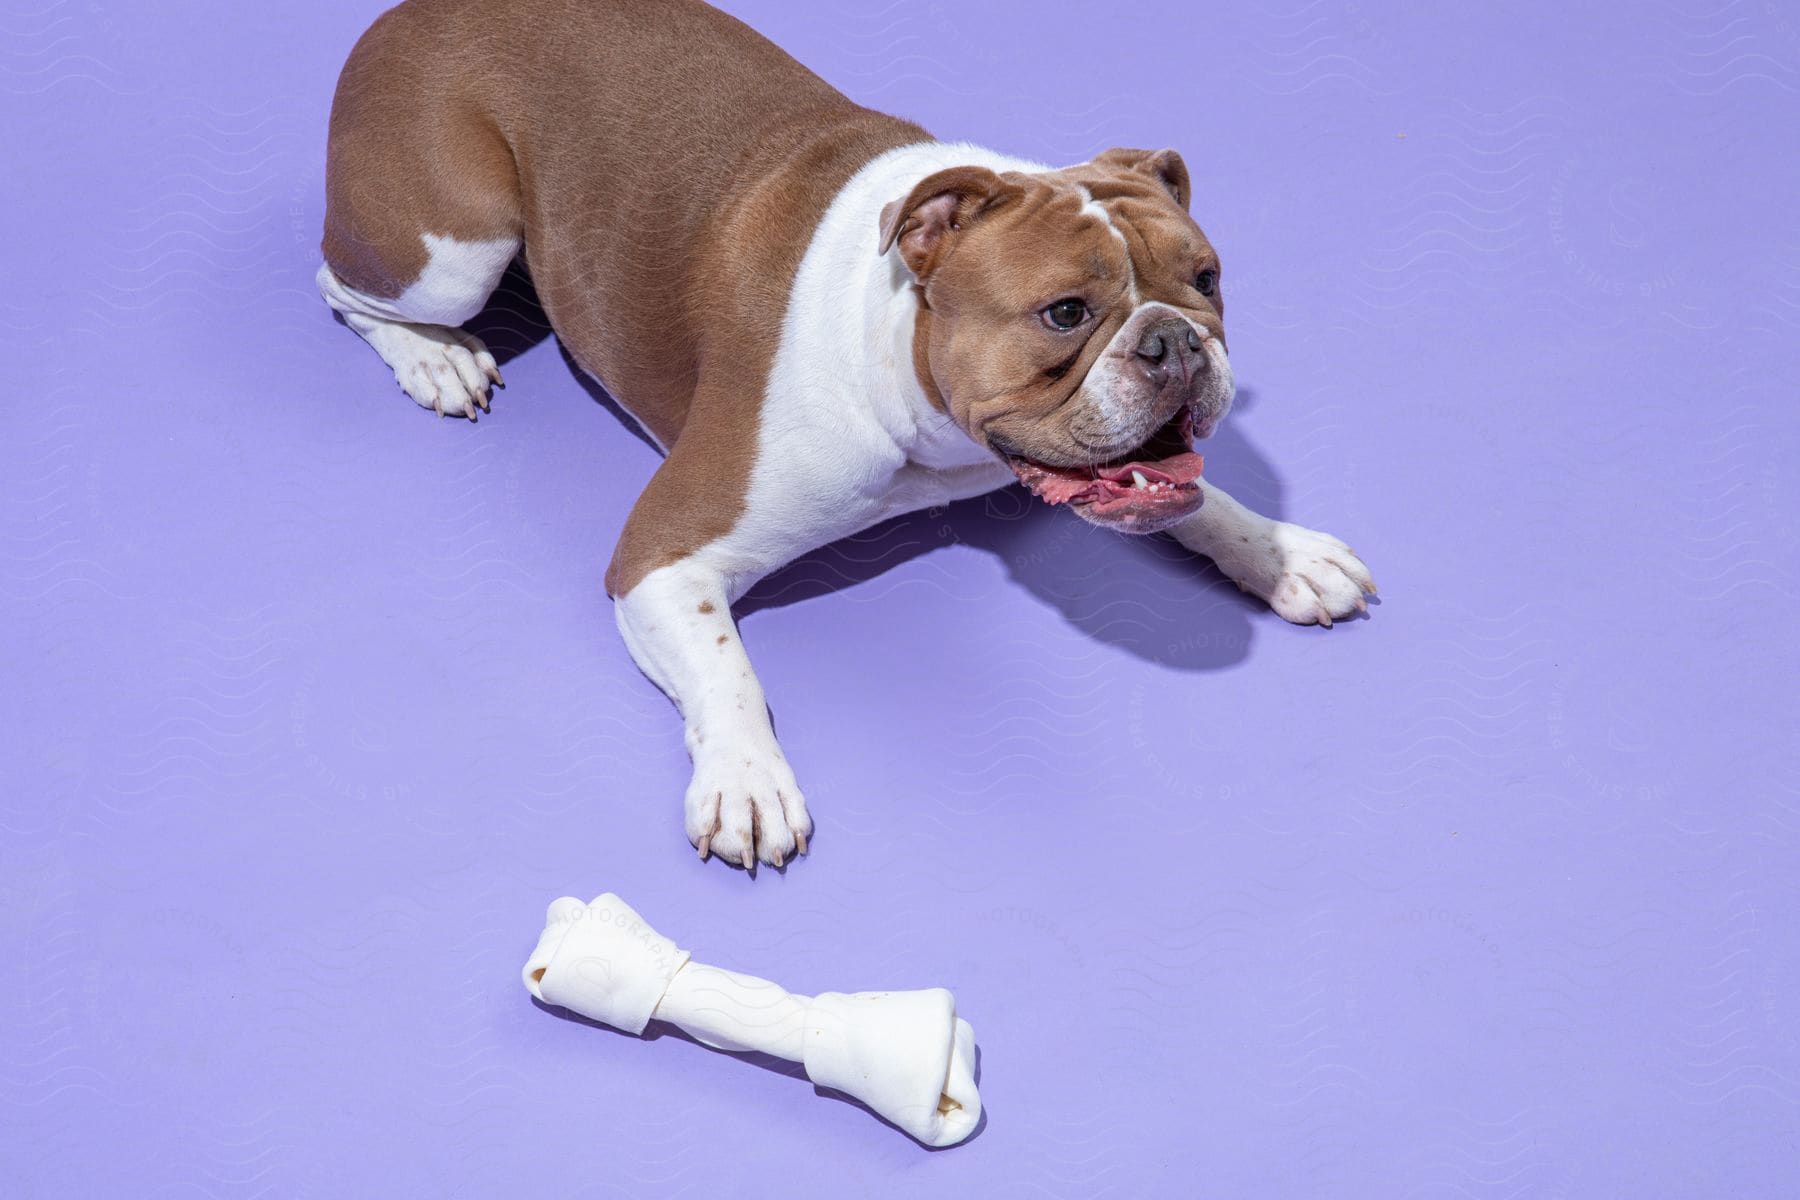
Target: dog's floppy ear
x: 938, y: 206
x: 1164, y: 166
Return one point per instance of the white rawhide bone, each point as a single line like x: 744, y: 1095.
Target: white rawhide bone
x: 907, y: 1055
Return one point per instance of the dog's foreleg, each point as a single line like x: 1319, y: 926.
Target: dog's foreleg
x: 1307, y: 577
x: 742, y: 803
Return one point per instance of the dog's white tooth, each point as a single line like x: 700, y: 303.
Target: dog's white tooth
x: 1138, y: 480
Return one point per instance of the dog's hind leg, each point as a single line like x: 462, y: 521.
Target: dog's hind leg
x: 422, y: 210
x: 440, y: 366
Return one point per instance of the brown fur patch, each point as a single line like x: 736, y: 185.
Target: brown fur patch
x: 665, y: 166
x: 404, y: 156
x: 752, y: 256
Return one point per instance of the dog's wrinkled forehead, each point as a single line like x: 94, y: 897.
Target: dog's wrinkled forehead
x: 1017, y: 239
x: 1051, y: 238
x: 1146, y: 212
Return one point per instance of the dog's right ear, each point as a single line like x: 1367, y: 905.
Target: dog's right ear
x: 939, y: 206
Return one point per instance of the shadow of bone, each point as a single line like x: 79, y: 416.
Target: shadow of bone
x: 1147, y: 596
x: 658, y: 1030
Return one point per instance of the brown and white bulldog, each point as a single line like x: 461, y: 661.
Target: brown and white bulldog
x: 822, y: 315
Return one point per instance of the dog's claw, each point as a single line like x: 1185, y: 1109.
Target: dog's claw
x: 705, y: 847
x: 800, y: 843
x: 743, y: 809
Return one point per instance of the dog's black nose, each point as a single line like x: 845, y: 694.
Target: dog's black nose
x: 1172, y: 351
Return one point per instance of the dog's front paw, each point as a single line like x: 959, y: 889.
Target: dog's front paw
x: 744, y: 806
x: 1307, y: 577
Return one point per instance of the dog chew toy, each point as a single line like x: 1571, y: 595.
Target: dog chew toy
x: 906, y: 1055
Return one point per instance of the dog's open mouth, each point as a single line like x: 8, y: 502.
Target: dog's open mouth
x: 1149, y: 489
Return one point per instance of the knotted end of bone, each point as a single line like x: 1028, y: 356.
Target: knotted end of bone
x: 906, y: 1055
x: 603, y: 961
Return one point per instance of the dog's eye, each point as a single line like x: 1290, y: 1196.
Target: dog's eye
x: 1205, y: 282
x: 1065, y: 314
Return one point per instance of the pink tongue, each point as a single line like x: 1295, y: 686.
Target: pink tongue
x: 1055, y: 486
x: 1177, y: 468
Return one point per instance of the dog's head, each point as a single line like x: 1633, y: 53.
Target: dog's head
x: 1072, y: 322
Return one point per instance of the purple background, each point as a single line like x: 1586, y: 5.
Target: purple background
x: 313, y: 701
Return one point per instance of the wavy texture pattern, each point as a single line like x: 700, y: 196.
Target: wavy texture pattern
x: 313, y: 702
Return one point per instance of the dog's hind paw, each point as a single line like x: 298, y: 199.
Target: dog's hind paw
x: 443, y: 369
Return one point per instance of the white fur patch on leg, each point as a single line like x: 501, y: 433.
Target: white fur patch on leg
x: 742, y: 803
x: 440, y: 366
x: 1307, y: 577
x: 457, y: 280
x: 444, y: 369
